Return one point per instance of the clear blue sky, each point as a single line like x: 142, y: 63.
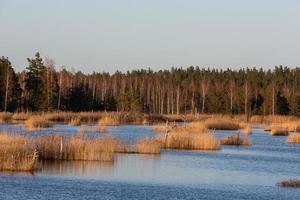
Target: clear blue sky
x: 108, y: 35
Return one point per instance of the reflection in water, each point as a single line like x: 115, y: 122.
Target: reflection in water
x: 75, y: 168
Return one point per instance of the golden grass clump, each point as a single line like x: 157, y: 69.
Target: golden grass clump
x: 76, y: 121
x: 56, y: 147
x: 222, y: 123
x: 197, y: 127
x: 37, y: 122
x: 148, y: 146
x: 21, y: 116
x: 236, y: 140
x: 182, y: 139
x: 247, y: 129
x: 294, y: 183
x: 16, y: 154
x: 279, y: 131
x: 109, y: 121
x: 294, y: 138
x: 5, y: 117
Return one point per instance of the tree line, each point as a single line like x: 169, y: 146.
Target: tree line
x: 250, y: 91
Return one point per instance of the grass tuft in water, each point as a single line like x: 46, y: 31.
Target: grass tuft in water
x: 294, y: 183
x: 16, y: 153
x: 236, y: 140
x: 293, y: 138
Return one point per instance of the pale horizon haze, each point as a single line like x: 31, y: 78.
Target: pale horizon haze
x: 132, y: 34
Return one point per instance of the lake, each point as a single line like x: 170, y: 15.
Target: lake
x: 249, y: 172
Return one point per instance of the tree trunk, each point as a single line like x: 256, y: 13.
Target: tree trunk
x: 178, y: 103
x: 6, y: 89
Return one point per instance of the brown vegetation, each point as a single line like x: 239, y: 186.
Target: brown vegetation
x: 294, y: 138
x: 109, y: 121
x: 295, y: 183
x: 56, y: 147
x: 236, y: 140
x: 37, y: 122
x: 279, y: 131
x: 75, y: 121
x: 182, y: 139
x: 21, y: 116
x: 222, y: 123
x: 16, y: 154
x: 247, y: 129
x: 148, y: 146
x: 5, y: 117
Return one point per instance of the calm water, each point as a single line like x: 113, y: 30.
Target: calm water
x: 232, y: 173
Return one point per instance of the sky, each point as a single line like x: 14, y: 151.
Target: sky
x: 110, y: 35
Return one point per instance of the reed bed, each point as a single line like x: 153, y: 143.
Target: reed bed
x: 279, y: 131
x: 222, y: 124
x: 21, y: 116
x: 236, y: 140
x: 294, y: 183
x: 293, y: 138
x: 56, y: 147
x: 37, y: 122
x: 109, y: 121
x: 197, y: 127
x: 182, y: 139
x: 247, y: 129
x: 148, y: 146
x: 5, y: 117
x: 16, y: 154
x: 75, y: 121
x: 269, y: 119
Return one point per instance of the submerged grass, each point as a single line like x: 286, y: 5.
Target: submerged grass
x: 16, y: 154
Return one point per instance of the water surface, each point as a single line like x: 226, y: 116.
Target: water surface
x: 231, y: 173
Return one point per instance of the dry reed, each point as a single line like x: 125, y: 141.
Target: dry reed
x: 109, y: 121
x: 75, y: 121
x: 5, y: 117
x: 16, y: 154
x: 222, y: 123
x: 294, y: 138
x: 21, y: 116
x: 247, y: 129
x: 148, y: 146
x: 279, y: 131
x: 37, y: 122
x: 236, y: 140
x: 182, y: 139
x: 294, y: 183
x: 56, y: 147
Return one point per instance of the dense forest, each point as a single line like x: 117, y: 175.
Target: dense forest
x: 40, y: 87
